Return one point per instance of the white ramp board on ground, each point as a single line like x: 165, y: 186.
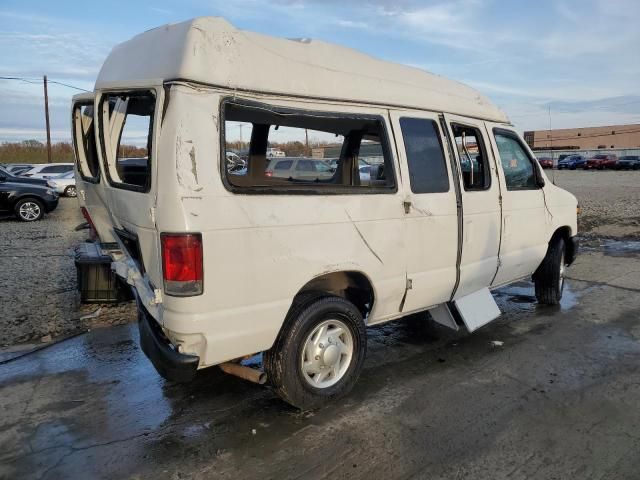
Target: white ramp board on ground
x: 477, y: 309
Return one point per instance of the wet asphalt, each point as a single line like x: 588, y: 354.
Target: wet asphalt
x: 558, y: 399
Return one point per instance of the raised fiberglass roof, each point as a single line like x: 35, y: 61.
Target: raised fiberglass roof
x: 210, y: 50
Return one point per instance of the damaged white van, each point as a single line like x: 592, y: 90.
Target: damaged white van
x: 398, y: 191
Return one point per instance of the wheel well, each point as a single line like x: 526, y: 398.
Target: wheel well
x: 350, y: 285
x: 28, y: 196
x: 565, y: 234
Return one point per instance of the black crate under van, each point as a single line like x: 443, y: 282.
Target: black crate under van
x: 97, y: 283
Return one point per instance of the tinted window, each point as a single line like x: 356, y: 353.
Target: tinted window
x: 260, y: 133
x: 425, y: 158
x: 473, y: 157
x: 283, y: 165
x: 305, y: 166
x: 56, y: 169
x: 132, y: 115
x: 519, y: 171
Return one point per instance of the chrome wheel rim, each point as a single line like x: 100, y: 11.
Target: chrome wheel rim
x: 29, y: 211
x: 71, y: 191
x: 326, y: 354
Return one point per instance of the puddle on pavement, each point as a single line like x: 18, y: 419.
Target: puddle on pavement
x: 522, y: 295
x: 621, y: 248
x: 612, y: 247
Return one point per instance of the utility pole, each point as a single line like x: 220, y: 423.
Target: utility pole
x: 241, y: 146
x: 46, y: 117
x: 306, y: 140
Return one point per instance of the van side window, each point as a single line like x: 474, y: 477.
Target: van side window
x: 518, y: 167
x: 84, y: 142
x: 474, y: 165
x: 425, y: 158
x: 276, y: 148
x: 126, y: 127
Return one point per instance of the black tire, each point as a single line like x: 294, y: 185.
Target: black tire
x: 549, y: 277
x: 283, y: 361
x: 70, y: 191
x: 29, y: 209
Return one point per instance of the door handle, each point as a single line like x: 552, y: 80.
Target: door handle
x: 407, y: 206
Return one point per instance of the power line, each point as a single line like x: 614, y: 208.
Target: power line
x: 39, y: 82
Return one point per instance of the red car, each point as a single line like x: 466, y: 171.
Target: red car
x: 601, y: 161
x: 545, y: 162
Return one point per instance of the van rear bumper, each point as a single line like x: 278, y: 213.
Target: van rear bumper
x: 169, y: 363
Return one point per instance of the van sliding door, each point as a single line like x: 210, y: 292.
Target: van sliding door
x: 430, y: 216
x: 480, y: 194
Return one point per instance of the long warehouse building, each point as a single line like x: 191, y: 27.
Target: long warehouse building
x: 588, y: 138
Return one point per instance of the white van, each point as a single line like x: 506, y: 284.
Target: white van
x: 227, y: 264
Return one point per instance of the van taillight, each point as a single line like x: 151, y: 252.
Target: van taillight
x: 182, y: 263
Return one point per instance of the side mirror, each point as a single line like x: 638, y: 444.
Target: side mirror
x: 3, y: 178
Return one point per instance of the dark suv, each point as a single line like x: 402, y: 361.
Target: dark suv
x: 27, y: 201
x: 629, y: 162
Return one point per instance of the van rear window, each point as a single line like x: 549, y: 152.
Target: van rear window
x: 127, y: 139
x: 274, y: 148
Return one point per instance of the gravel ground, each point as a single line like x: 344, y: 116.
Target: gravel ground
x: 609, y: 201
x: 38, y: 286
x: 38, y: 282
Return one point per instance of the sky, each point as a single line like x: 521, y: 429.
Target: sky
x: 577, y: 60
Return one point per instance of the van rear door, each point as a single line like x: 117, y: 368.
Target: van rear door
x: 89, y: 179
x: 129, y: 127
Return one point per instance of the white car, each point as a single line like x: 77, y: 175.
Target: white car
x: 48, y: 170
x: 64, y: 184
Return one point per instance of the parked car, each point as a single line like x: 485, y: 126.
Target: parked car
x: 571, y: 162
x: 17, y: 168
x: 299, y: 169
x: 629, y: 162
x: 11, y: 176
x: 545, y: 162
x: 45, y: 170
x: 27, y: 201
x: 225, y: 266
x: 599, y: 162
x: 64, y: 184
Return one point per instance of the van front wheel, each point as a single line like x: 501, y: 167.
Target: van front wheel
x: 549, y: 277
x: 320, y: 352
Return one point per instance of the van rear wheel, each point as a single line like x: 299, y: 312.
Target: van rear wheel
x: 549, y: 277
x: 320, y: 352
